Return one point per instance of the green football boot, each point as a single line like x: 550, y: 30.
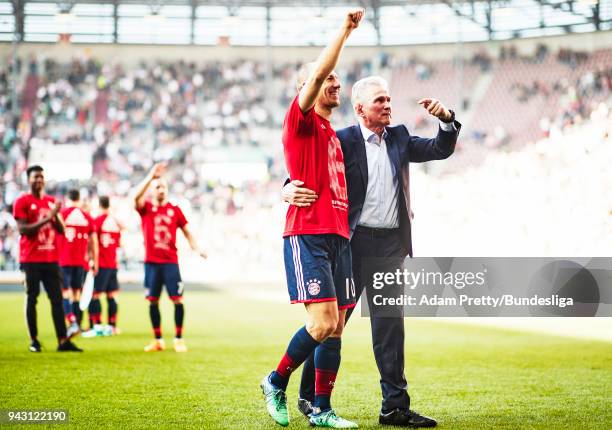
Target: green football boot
x: 331, y: 420
x: 276, y: 402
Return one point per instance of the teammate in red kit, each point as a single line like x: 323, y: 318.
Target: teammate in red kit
x: 39, y: 223
x: 316, y: 237
x: 160, y: 220
x: 79, y: 235
x: 105, y: 282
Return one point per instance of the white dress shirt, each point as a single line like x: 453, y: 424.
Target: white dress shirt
x: 380, y: 209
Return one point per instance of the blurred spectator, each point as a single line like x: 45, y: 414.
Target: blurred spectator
x: 184, y: 111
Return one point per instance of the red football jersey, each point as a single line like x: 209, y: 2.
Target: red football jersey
x: 159, y: 224
x: 42, y: 246
x: 73, y: 244
x: 313, y: 154
x: 109, y: 239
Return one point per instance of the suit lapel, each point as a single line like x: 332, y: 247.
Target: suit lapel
x: 360, y: 152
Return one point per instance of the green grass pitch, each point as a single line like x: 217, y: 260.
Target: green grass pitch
x: 466, y: 377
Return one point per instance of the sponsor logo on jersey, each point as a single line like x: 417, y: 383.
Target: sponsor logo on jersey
x: 77, y: 218
x: 110, y: 225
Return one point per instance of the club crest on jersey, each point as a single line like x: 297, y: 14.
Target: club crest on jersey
x: 170, y: 212
x: 314, y: 287
x: 33, y: 206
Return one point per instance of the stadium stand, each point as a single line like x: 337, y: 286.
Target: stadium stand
x: 190, y: 113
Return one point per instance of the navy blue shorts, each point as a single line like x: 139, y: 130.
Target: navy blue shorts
x: 106, y: 281
x: 318, y: 268
x: 159, y: 274
x: 73, y: 277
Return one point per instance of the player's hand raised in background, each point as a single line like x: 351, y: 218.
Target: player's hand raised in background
x: 297, y: 196
x: 436, y: 108
x: 158, y: 170
x: 353, y: 18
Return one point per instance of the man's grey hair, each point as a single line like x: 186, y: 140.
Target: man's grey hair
x: 362, y: 87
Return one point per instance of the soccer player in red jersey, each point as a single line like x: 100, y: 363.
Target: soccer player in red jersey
x: 79, y: 234
x: 105, y: 282
x: 160, y: 220
x: 39, y: 223
x: 316, y: 237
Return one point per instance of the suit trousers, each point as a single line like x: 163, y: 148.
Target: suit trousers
x: 376, y: 253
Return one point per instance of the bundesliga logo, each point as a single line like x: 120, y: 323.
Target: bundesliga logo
x: 314, y: 287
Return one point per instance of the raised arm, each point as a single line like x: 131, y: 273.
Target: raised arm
x: 437, y: 148
x: 140, y: 190
x: 192, y: 241
x: 327, y: 60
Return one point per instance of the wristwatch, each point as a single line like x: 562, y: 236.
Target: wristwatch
x: 452, y: 118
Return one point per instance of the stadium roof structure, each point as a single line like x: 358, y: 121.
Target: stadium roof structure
x: 300, y: 22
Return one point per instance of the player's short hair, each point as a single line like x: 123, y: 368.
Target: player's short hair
x: 362, y: 86
x: 73, y: 195
x: 304, y: 73
x: 104, y: 202
x: 34, y: 168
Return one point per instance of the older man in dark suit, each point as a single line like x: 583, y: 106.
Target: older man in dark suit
x: 377, y: 157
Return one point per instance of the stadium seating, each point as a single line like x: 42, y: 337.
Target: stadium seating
x: 185, y: 111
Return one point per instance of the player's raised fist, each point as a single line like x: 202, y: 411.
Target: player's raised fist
x: 354, y: 17
x: 158, y: 170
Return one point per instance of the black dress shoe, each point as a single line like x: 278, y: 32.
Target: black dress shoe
x: 35, y: 346
x: 67, y: 346
x: 305, y: 407
x: 403, y: 418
